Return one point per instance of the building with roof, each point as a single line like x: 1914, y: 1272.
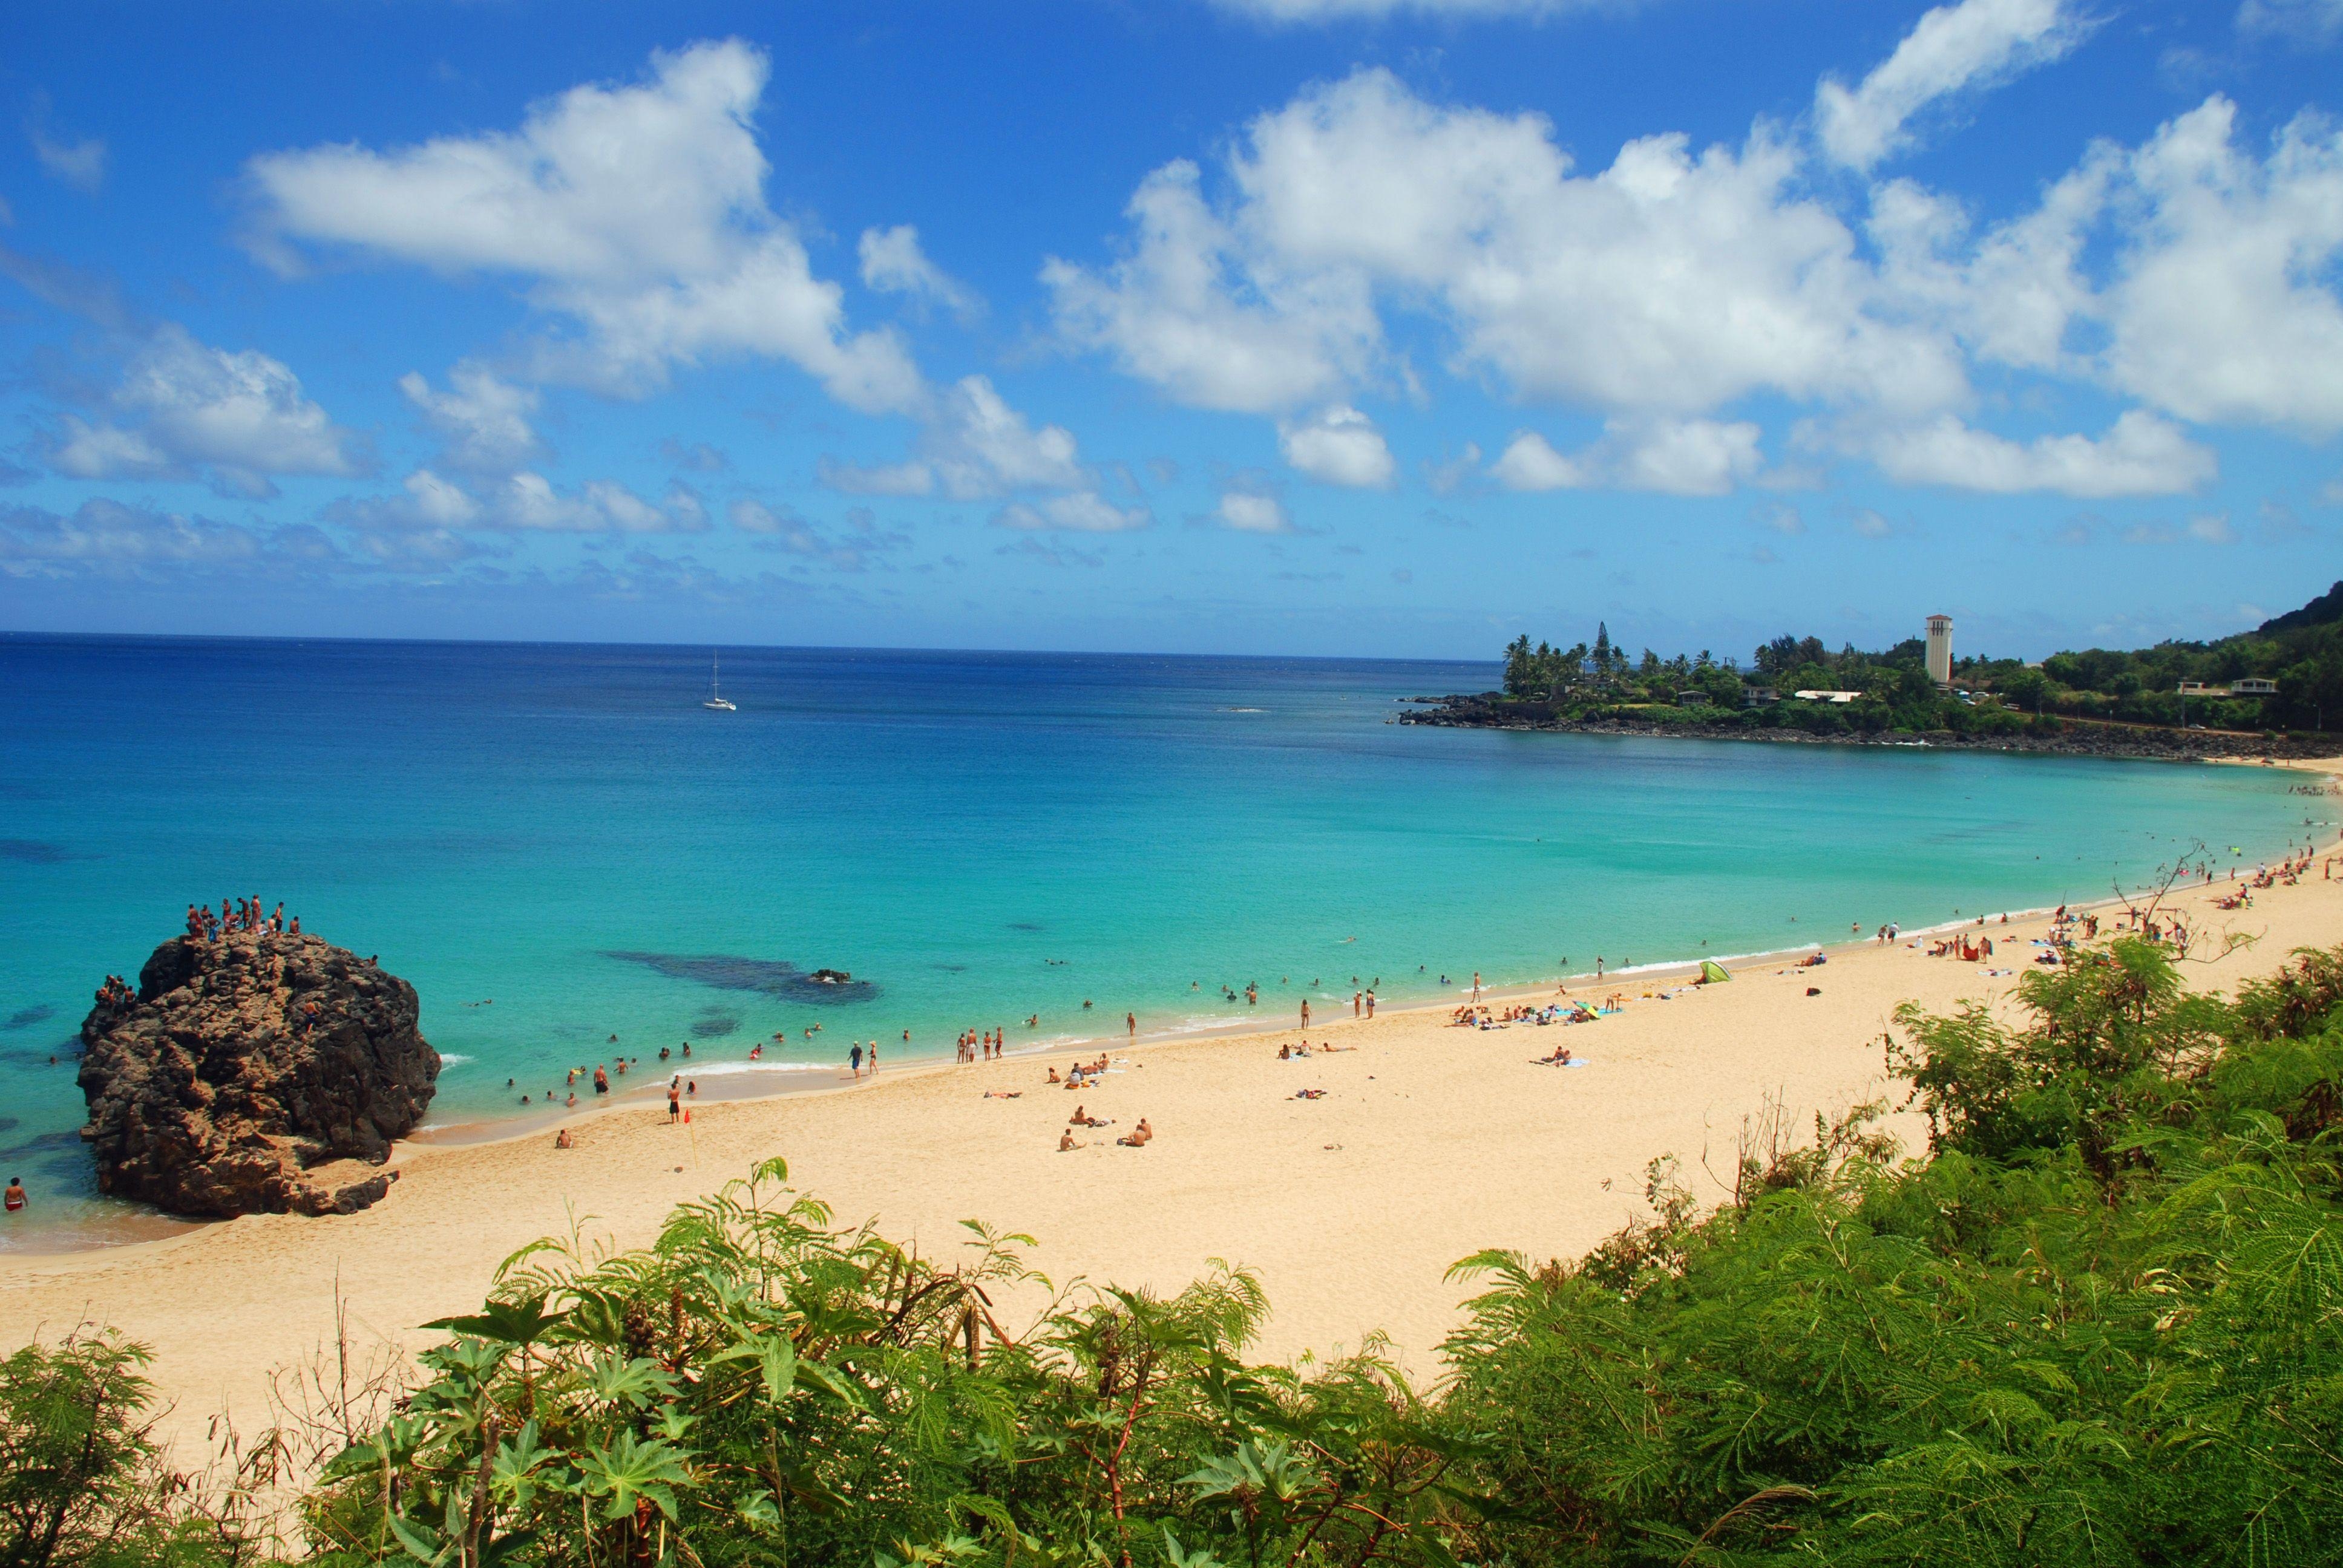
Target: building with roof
x: 1940, y: 649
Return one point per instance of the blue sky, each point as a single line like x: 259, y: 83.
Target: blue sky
x: 1341, y: 326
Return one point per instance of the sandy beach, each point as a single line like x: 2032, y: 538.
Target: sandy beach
x: 1431, y: 1142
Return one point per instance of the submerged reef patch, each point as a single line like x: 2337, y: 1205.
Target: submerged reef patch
x: 766, y: 977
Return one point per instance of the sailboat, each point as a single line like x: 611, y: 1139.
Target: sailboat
x: 716, y: 698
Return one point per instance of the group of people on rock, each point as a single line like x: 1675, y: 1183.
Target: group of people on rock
x: 207, y: 925
x: 115, y: 993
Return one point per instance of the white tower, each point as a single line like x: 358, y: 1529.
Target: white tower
x: 1940, y: 649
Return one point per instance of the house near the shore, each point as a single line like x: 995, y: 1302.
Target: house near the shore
x: 2251, y: 686
x: 1826, y: 696
x: 1759, y: 697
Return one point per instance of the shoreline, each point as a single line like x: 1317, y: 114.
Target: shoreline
x: 1434, y: 1143
x: 805, y: 1081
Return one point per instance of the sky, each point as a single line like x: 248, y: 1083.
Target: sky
x: 1358, y: 327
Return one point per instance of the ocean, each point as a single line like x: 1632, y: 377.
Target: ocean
x: 556, y: 844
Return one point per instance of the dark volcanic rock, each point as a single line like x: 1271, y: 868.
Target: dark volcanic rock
x: 245, y: 1064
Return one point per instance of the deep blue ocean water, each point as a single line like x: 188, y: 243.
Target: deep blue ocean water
x: 557, y: 843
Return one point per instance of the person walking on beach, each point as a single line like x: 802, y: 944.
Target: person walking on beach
x: 674, y: 1100
x: 1130, y: 1024
x: 1305, y: 1012
x: 854, y: 1060
x: 1477, y: 985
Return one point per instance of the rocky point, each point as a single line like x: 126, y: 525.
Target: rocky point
x: 255, y: 1073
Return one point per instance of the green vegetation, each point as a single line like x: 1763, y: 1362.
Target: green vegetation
x: 2102, y: 1324
x: 2301, y: 651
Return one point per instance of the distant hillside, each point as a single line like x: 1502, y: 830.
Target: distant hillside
x: 2324, y: 610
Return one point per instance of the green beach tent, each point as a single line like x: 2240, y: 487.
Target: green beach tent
x: 1711, y: 972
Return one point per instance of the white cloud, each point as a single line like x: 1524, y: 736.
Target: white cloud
x: 2223, y: 308
x: 1447, y: 476
x: 1340, y: 446
x: 1953, y: 47
x: 1083, y: 512
x: 526, y: 502
x: 2313, y: 22
x: 434, y: 502
x: 893, y: 263
x: 1672, y: 456
x: 1194, y: 310
x: 1254, y: 514
x: 80, y: 164
x: 2141, y: 454
x: 109, y: 452
x: 484, y: 420
x: 1670, y: 282
x: 184, y: 404
x: 1529, y: 462
x: 637, y: 210
x: 973, y: 446
x: 1687, y: 457
x: 2212, y: 528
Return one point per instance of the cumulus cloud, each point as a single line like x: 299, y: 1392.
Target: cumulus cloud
x: 182, y: 404
x: 972, y: 446
x: 1340, y: 446
x: 2142, y: 454
x: 483, y: 420
x: 1671, y: 456
x: 1202, y: 311
x: 1254, y: 514
x: 893, y: 263
x: 1085, y: 512
x: 1530, y: 462
x: 1953, y: 48
x: 1673, y: 281
x: 2223, y: 308
x: 636, y: 211
x: 526, y: 502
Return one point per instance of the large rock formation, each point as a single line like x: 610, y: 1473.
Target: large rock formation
x: 247, y: 1073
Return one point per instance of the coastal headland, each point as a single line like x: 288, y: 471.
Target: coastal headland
x: 1467, y: 710
x: 1430, y: 1143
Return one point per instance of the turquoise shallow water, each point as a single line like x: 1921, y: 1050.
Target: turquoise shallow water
x: 979, y: 836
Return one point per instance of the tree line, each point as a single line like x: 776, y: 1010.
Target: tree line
x: 2301, y: 651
